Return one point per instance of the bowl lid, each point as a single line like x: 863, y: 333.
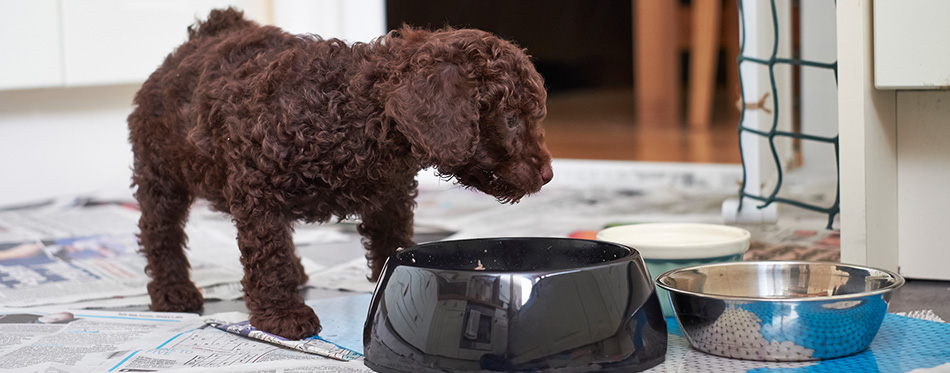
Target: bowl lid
x: 679, y: 240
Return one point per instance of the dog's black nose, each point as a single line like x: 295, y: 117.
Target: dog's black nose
x: 547, y: 173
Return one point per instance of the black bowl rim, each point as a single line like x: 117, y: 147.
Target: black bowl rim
x: 898, y: 282
x: 634, y: 255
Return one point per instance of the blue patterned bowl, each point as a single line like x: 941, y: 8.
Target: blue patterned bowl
x: 780, y: 311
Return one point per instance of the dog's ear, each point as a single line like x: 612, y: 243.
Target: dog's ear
x: 434, y: 108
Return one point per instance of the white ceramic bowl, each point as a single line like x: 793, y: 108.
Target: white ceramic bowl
x: 668, y: 246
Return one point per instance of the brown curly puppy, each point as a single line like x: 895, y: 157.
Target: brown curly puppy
x: 274, y: 128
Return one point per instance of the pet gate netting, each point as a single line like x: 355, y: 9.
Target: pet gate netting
x: 772, y: 133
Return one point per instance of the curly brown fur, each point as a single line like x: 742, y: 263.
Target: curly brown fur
x: 274, y: 128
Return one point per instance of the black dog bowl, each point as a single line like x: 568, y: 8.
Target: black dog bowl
x: 515, y: 304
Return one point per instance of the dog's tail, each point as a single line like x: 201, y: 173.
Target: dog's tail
x: 220, y: 20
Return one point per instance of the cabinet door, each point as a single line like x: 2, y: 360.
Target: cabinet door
x: 123, y: 41
x: 923, y: 152
x: 30, y: 43
x: 910, y: 44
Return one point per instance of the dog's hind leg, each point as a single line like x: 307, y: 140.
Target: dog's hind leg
x: 272, y: 270
x: 164, y: 204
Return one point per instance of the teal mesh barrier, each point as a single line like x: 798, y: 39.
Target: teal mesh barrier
x: 773, y: 133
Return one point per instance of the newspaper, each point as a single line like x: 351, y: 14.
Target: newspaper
x: 81, y: 268
x: 325, y: 366
x: 59, y: 340
x: 51, y: 223
x: 349, y: 276
x: 226, y: 291
x: 342, y: 319
x: 585, y: 196
x: 88, y: 257
x: 38, y: 340
x: 237, y: 323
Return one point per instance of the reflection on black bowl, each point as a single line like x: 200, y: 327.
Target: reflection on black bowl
x: 515, y: 304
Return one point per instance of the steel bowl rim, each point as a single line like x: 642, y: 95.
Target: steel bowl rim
x: 633, y: 256
x: 898, y: 282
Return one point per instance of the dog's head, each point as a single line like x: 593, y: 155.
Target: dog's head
x: 470, y: 105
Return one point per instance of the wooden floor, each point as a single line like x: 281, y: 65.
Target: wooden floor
x: 601, y: 125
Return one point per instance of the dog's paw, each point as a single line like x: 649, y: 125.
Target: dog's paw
x: 175, y: 298
x: 294, y: 323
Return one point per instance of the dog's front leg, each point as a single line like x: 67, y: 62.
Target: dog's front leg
x: 270, y: 279
x: 164, y: 206
x: 387, y: 228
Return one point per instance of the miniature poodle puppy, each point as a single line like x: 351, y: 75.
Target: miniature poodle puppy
x: 275, y: 128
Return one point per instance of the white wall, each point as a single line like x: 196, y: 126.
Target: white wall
x: 61, y: 141
x: 348, y: 20
x: 65, y: 140
x: 819, y: 89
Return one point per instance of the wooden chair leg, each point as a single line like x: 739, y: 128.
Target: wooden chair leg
x: 706, y: 20
x: 730, y: 42
x: 657, y: 66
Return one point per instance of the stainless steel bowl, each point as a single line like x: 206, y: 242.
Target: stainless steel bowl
x: 515, y: 304
x: 780, y: 311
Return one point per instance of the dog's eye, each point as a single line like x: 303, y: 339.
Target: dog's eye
x: 512, y: 121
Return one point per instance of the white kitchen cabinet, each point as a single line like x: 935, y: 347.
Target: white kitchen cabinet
x: 70, y: 43
x: 31, y: 52
x: 867, y: 137
x: 911, y: 44
x: 123, y: 41
x: 923, y: 174
x: 59, y: 43
x: 895, y: 143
